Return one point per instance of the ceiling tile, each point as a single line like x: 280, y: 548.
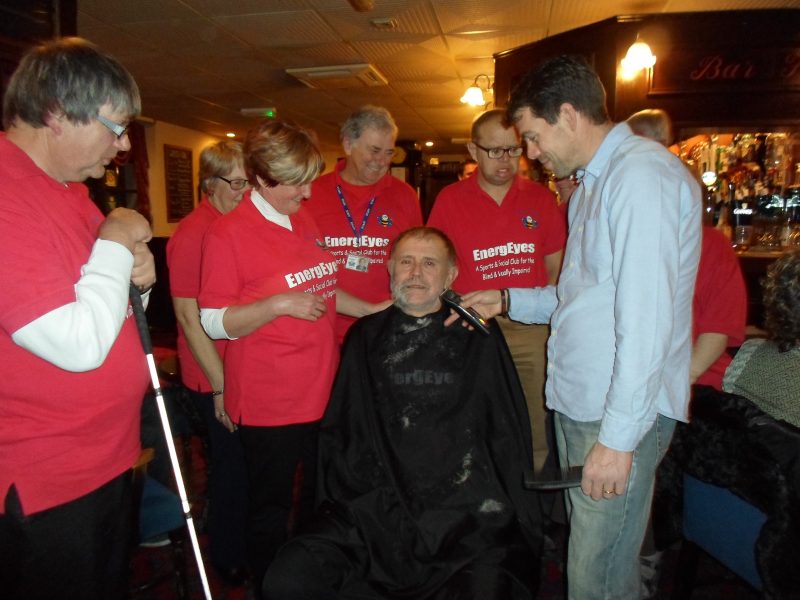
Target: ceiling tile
x: 290, y: 28
x: 119, y: 11
x: 198, y: 62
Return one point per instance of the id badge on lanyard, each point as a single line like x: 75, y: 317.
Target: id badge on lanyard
x: 356, y: 262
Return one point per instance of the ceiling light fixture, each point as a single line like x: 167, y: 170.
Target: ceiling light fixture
x: 639, y: 57
x: 474, y: 94
x: 362, y: 5
x: 384, y: 23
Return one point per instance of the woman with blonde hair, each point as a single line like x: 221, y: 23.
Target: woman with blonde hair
x: 269, y: 287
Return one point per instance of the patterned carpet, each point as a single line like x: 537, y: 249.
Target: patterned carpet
x: 154, y: 565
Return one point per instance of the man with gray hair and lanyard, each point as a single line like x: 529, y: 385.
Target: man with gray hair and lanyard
x: 360, y: 207
x: 72, y: 366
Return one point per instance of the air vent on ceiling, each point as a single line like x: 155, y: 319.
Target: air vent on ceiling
x: 339, y: 76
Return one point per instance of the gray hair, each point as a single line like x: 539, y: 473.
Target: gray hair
x: 422, y: 232
x: 218, y: 159
x: 652, y: 123
x: 367, y: 117
x: 69, y: 76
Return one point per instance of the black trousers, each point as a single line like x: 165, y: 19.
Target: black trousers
x: 227, y: 489
x: 78, y: 550
x: 281, y: 471
x: 310, y: 567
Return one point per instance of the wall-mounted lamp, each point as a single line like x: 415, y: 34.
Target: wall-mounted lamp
x: 474, y: 94
x: 639, y: 57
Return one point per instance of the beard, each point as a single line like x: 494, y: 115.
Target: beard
x: 399, y: 294
x: 402, y: 301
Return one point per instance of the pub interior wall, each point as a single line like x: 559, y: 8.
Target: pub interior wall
x: 158, y: 133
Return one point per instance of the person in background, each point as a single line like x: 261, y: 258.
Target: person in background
x: 222, y: 183
x: 422, y: 451
x: 620, y: 343
x: 565, y: 187
x: 468, y: 167
x: 652, y: 123
x: 719, y: 314
x: 720, y: 297
x: 73, y: 369
x: 269, y: 286
x: 508, y: 232
x: 767, y: 371
x: 360, y: 208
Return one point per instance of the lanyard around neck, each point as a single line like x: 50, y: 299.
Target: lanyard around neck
x: 360, y: 231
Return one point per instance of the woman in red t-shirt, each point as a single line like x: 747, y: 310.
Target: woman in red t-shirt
x: 268, y: 285
x: 223, y: 183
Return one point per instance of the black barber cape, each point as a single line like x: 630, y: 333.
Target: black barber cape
x: 422, y: 453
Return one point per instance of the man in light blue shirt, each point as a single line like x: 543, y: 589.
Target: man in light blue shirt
x: 620, y: 343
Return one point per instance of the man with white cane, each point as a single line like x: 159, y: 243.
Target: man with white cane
x: 72, y: 367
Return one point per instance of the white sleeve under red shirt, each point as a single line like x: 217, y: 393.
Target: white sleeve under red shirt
x: 500, y: 246
x: 281, y: 373
x: 720, y: 300
x: 184, y: 253
x: 64, y: 434
x: 396, y: 209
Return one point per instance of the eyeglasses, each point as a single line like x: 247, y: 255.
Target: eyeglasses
x: 236, y: 184
x: 512, y: 151
x: 117, y: 129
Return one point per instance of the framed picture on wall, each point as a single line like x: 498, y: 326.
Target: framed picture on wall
x: 178, y: 176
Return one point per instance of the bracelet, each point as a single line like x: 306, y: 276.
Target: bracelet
x: 216, y: 393
x: 504, y: 302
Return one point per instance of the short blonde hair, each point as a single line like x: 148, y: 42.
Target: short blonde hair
x: 218, y: 159
x: 282, y: 152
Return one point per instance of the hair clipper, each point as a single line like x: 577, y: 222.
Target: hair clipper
x: 470, y: 315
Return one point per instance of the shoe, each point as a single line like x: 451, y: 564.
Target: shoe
x: 156, y: 542
x: 650, y: 572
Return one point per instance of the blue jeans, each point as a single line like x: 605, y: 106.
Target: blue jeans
x: 606, y: 535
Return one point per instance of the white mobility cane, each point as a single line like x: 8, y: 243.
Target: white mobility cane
x: 147, y: 344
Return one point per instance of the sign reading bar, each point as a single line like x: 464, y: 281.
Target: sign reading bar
x: 180, y: 188
x: 703, y: 69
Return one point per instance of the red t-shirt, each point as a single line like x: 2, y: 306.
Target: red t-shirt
x: 184, y: 251
x: 63, y: 434
x: 281, y: 373
x: 396, y: 209
x: 720, y: 300
x: 501, y: 245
